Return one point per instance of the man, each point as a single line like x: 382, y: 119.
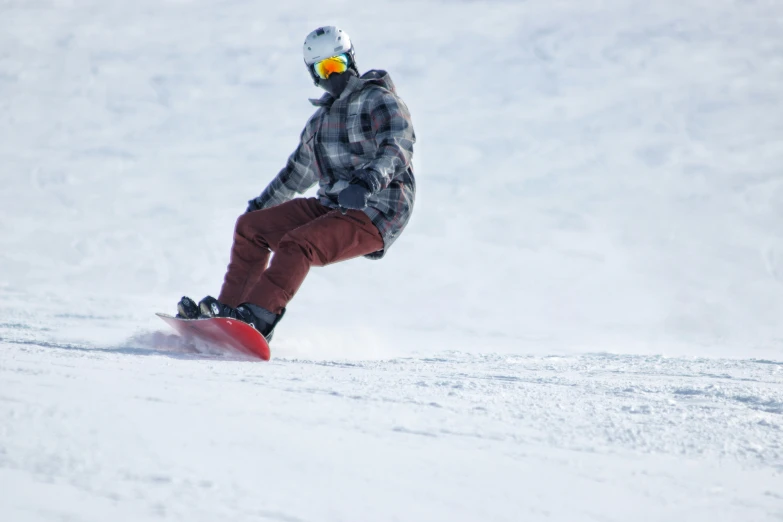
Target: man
x: 357, y: 146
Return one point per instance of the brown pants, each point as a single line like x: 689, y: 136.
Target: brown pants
x: 302, y: 233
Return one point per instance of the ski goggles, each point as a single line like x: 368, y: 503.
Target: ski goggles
x: 334, y: 65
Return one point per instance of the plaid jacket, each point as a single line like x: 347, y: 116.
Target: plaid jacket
x: 367, y: 127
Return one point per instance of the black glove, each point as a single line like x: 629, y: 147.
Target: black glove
x: 253, y: 204
x: 355, y: 196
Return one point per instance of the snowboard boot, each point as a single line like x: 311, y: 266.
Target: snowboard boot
x: 259, y: 318
x: 211, y: 307
x: 187, y: 308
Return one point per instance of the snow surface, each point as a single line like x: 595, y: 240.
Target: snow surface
x: 582, y: 321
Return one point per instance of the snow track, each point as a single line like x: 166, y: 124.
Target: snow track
x: 565, y: 437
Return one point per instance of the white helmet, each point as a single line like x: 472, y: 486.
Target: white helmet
x: 326, y: 42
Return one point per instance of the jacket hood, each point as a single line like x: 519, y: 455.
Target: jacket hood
x: 378, y: 77
x: 373, y: 77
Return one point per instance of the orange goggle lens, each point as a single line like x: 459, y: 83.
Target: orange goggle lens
x: 335, y: 64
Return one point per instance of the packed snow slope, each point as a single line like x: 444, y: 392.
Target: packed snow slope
x: 581, y: 322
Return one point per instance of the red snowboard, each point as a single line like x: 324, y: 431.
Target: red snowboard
x: 222, y: 331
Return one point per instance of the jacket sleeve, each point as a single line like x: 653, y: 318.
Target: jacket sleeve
x: 394, y: 136
x: 298, y: 175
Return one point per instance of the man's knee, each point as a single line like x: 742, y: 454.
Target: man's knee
x: 243, y: 226
x: 252, y: 229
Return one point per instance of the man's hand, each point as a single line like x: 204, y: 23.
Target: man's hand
x: 355, y: 196
x: 253, y: 204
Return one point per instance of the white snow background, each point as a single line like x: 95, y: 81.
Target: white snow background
x: 581, y: 322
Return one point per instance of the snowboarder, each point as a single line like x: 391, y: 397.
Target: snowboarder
x: 357, y: 146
